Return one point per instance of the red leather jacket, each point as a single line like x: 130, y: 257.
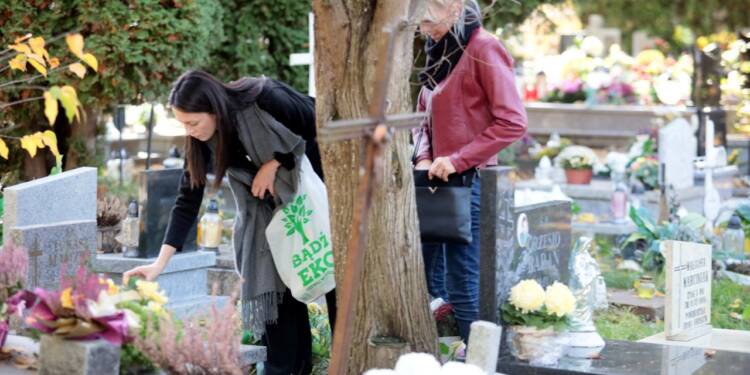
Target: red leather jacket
x: 476, y: 111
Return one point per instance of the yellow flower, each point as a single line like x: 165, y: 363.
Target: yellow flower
x: 527, y: 296
x: 559, y: 300
x: 66, y: 298
x: 112, y: 288
x: 150, y: 290
x: 156, y: 307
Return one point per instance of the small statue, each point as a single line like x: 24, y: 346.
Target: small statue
x: 588, y: 287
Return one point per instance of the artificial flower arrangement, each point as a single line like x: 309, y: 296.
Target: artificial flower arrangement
x: 585, y: 72
x: 536, y: 317
x: 90, y: 307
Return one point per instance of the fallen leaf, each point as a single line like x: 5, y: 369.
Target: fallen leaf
x: 596, y: 356
x: 709, y: 353
x: 735, y: 315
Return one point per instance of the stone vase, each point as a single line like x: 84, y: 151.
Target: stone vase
x: 538, y: 346
x: 579, y: 176
x: 105, y: 239
x: 71, y: 357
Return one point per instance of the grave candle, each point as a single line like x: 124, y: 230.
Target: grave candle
x: 210, y: 227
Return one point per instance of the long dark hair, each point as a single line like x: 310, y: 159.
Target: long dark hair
x: 199, y: 92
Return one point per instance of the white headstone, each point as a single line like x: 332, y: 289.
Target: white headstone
x: 307, y: 58
x: 688, y: 297
x: 677, y: 149
x: 608, y: 35
x: 712, y: 199
x: 484, y: 345
x: 641, y: 41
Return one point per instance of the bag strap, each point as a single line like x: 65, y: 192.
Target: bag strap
x: 416, y: 146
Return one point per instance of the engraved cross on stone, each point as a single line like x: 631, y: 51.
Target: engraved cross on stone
x: 375, y: 130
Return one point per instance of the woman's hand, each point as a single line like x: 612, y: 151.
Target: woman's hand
x: 149, y: 272
x: 263, y: 181
x: 441, y: 168
x: 423, y: 165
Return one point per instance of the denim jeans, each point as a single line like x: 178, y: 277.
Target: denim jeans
x: 452, y: 270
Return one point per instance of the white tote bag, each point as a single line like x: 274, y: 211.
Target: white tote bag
x: 300, y: 239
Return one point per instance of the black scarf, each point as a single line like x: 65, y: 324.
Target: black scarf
x: 443, y: 55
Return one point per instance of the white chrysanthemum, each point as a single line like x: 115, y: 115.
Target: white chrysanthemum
x: 417, y: 364
x: 527, y: 296
x: 380, y: 371
x: 458, y: 368
x: 559, y: 300
x: 593, y: 46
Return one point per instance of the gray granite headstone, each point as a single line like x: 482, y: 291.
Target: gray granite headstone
x: 54, y: 219
x: 158, y: 194
x: 529, y: 242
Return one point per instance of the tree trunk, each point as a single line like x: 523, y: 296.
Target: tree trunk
x: 393, y: 299
x: 81, y: 146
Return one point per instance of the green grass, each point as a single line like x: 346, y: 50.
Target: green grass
x: 620, y: 279
x: 723, y: 295
x: 622, y: 324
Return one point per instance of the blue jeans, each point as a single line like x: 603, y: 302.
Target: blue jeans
x: 453, y: 270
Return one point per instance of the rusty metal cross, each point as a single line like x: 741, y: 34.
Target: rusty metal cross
x: 375, y: 130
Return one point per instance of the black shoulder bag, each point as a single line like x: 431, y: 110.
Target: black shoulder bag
x: 444, y: 208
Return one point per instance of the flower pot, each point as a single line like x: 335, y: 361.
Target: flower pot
x: 105, y: 239
x: 70, y: 357
x: 4, y: 329
x: 538, y: 346
x: 579, y: 176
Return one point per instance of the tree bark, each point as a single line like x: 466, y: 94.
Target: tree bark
x: 393, y: 299
x: 83, y: 131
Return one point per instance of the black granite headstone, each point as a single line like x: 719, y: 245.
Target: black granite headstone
x: 530, y: 242
x: 158, y: 193
x: 635, y: 358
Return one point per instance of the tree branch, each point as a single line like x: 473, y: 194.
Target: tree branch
x: 10, y: 104
x: 33, y: 78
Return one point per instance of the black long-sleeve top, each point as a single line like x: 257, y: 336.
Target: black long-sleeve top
x: 292, y: 109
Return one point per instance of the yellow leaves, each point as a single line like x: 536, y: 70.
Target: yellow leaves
x: 50, y: 107
x: 37, y: 141
x: 78, y: 69
x: 54, y: 62
x: 21, y: 48
x: 3, y: 149
x: 38, y: 66
x: 69, y: 99
x: 91, y: 61
x: 22, y: 38
x: 18, y: 63
x: 50, y: 140
x: 37, y: 45
x: 75, y: 44
x: 28, y: 144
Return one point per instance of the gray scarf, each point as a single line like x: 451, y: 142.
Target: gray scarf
x: 262, y: 289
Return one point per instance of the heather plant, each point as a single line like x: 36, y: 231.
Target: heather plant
x: 202, y: 345
x: 14, y: 264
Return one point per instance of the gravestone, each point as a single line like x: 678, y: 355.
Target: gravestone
x: 54, y: 219
x: 528, y: 242
x: 157, y: 196
x: 642, y: 41
x: 677, y: 149
x: 688, y: 294
x: 608, y: 35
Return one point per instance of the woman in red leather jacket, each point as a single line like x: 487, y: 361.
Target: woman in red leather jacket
x: 474, y: 111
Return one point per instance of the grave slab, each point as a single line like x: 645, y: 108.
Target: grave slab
x: 184, y: 280
x: 651, y: 309
x: 718, y: 339
x: 635, y: 358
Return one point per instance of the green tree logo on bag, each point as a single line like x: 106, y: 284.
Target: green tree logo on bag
x: 296, y: 217
x: 315, y: 260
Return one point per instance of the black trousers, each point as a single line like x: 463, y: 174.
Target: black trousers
x: 289, y: 341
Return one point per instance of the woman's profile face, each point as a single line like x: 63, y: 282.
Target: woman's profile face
x: 199, y: 125
x: 439, y: 19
